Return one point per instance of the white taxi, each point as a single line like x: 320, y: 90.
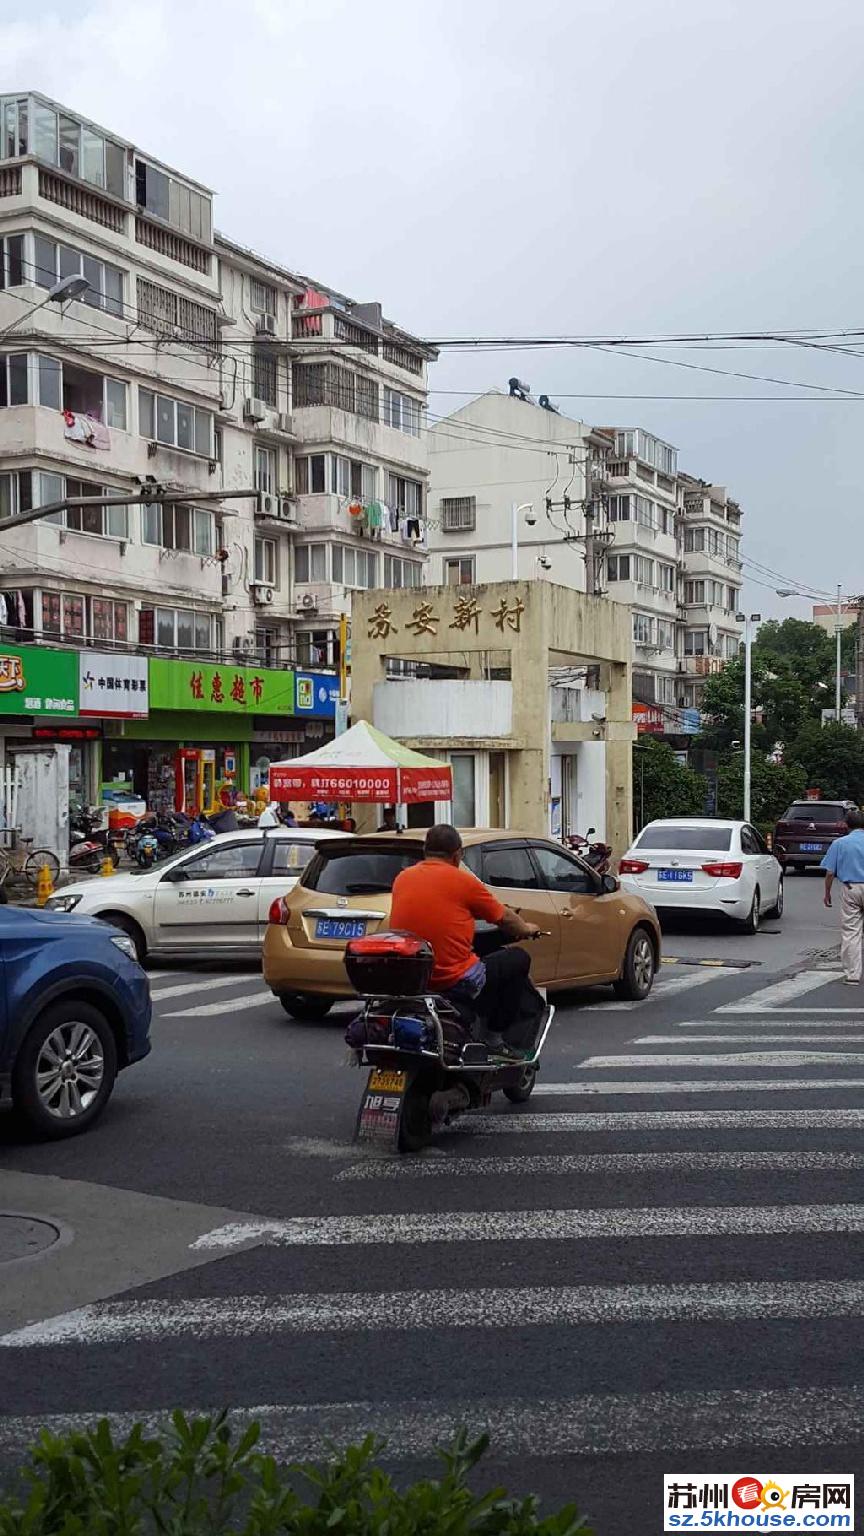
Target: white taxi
x: 211, y: 900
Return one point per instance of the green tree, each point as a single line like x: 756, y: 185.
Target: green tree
x: 662, y: 786
x: 773, y: 786
x: 780, y: 703
x: 807, y: 649
x: 832, y: 757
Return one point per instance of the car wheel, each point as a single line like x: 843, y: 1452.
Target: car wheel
x: 299, y: 1006
x: 637, y: 972
x: 777, y: 909
x: 128, y: 926
x: 754, y: 916
x: 65, y: 1069
x: 520, y: 1093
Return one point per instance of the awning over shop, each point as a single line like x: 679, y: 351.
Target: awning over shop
x: 362, y: 765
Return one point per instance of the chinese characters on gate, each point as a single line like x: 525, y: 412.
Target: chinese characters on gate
x: 466, y: 611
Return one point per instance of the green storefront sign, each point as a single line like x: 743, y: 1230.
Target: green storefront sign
x: 37, y: 681
x: 228, y: 690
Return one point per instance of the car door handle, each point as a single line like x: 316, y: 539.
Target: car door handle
x: 567, y: 913
x: 245, y: 893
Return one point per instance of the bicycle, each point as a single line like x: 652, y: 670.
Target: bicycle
x: 16, y: 863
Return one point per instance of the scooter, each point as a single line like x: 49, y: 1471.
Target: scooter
x: 90, y: 842
x: 598, y: 855
x: 425, y: 1067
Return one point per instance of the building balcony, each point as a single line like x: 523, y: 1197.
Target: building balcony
x: 323, y: 426
x: 631, y: 536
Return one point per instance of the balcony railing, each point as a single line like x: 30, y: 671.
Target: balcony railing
x: 81, y: 200
x: 175, y: 247
x: 305, y: 325
x: 10, y: 180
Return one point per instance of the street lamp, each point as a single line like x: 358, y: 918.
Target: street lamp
x: 526, y: 506
x: 67, y: 288
x: 838, y: 637
x: 748, y: 620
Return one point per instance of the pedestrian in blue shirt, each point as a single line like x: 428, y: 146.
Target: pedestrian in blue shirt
x: 844, y: 861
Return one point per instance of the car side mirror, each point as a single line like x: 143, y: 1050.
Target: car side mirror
x: 608, y: 885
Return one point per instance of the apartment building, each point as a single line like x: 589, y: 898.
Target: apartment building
x: 710, y: 584
x: 136, y: 346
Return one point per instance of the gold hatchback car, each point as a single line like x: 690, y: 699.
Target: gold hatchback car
x: 596, y: 932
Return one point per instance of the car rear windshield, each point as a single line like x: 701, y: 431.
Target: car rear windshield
x: 811, y: 811
x: 699, y: 839
x: 361, y: 872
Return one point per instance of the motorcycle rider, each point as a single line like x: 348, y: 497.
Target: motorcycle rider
x: 439, y: 901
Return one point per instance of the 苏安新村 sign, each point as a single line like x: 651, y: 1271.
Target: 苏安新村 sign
x: 113, y: 686
x: 227, y: 689
x: 37, y: 681
x: 317, y: 694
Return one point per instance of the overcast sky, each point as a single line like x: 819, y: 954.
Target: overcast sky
x: 559, y: 167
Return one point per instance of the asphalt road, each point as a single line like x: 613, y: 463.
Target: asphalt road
x: 655, y: 1266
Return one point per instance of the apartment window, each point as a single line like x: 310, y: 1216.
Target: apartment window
x: 267, y: 646
x: 190, y: 530
x: 732, y: 548
x: 264, y: 376
x: 168, y: 313
x: 108, y: 522
x: 619, y: 509
x: 13, y: 127
x: 64, y: 141
x: 406, y: 496
x: 310, y: 562
x: 645, y: 512
x: 402, y: 412
x: 64, y: 386
x: 643, y: 570
x: 53, y: 261
x: 664, y: 518
x: 733, y: 599
x: 618, y: 567
x: 179, y: 629
x: 12, y: 261
x: 666, y: 577
x: 324, y: 384
x: 665, y: 635
x: 317, y: 648
x: 13, y: 379
x: 354, y: 567
x: 172, y: 201
x: 340, y: 476
x: 458, y: 514
x: 265, y: 561
x: 641, y: 445
x: 694, y: 540
x: 367, y: 398
x: 175, y: 423
x: 733, y: 646
x: 262, y: 297
x: 643, y: 629
x: 459, y: 571
x: 310, y: 474
x: 401, y: 573
x: 265, y: 470
x: 695, y: 642
x: 694, y: 591
x: 84, y: 618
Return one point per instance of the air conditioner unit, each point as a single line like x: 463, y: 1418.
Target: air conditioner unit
x: 307, y: 603
x: 267, y: 504
x: 286, y: 508
x: 262, y: 594
x: 254, y: 410
x: 265, y: 325
x: 283, y: 422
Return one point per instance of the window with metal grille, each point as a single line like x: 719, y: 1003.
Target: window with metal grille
x: 264, y: 376
x: 262, y: 296
x: 165, y: 312
x: 458, y: 514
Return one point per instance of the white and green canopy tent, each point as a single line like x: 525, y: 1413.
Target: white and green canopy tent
x: 362, y: 765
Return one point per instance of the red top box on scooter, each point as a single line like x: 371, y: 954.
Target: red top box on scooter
x: 389, y: 964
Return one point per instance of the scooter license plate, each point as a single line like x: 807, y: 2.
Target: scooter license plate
x: 381, y: 1106
x: 382, y: 1081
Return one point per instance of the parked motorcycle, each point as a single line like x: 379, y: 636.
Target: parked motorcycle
x: 598, y: 854
x: 90, y: 840
x: 427, y: 1065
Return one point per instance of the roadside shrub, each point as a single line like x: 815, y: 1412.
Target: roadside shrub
x: 198, y: 1480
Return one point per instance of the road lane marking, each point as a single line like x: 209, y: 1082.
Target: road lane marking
x: 726, y: 1059
x: 641, y: 1121
x: 664, y: 989
x: 769, y: 1013
x: 773, y: 1021
x: 607, y: 1424
x: 783, y: 991
x: 611, y: 1087
x: 245, y: 1317
x: 396, y: 1228
x: 158, y: 994
x: 208, y: 1010
x: 404, y: 1169
x: 743, y: 1039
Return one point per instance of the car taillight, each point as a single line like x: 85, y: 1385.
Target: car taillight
x: 632, y: 866
x: 278, y: 912
x: 722, y: 871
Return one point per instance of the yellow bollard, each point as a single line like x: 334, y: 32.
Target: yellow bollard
x: 107, y: 866
x: 44, y: 886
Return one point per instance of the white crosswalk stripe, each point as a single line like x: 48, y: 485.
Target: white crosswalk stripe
x: 638, y: 1121
x: 744, y: 1039
x: 727, y: 1059
x: 703, y: 1085
x: 694, y: 976
x: 563, y: 1164
x: 782, y: 992
x: 198, y: 984
x: 225, y: 1005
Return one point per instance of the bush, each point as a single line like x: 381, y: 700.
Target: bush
x: 194, y: 1481
x: 662, y: 786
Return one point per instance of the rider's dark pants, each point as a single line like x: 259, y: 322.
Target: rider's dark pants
x: 501, y: 997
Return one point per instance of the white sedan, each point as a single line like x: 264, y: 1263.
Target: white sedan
x: 687, y: 863
x: 211, y: 900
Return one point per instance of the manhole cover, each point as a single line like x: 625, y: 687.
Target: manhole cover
x: 23, y: 1236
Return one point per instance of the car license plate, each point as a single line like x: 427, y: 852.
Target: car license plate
x: 676, y: 876
x: 340, y: 928
x: 811, y: 847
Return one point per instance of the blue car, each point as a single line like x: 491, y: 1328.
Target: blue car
x: 74, y: 1009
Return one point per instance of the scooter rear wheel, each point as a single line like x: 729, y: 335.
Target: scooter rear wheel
x: 415, y: 1123
x: 520, y: 1093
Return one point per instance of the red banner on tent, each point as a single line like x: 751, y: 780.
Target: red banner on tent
x: 375, y: 784
x: 424, y: 784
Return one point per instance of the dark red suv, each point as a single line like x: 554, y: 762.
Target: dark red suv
x: 807, y: 829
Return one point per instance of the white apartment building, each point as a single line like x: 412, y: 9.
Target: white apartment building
x: 188, y: 360
x: 678, y: 572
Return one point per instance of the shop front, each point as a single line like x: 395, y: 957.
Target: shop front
x: 195, y: 749
x: 274, y: 738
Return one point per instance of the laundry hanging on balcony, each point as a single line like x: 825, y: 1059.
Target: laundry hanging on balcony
x: 87, y: 430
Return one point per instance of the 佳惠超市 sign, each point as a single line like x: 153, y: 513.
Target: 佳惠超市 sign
x: 198, y: 685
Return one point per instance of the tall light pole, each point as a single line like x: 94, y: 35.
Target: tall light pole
x: 748, y: 621
x: 514, y: 535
